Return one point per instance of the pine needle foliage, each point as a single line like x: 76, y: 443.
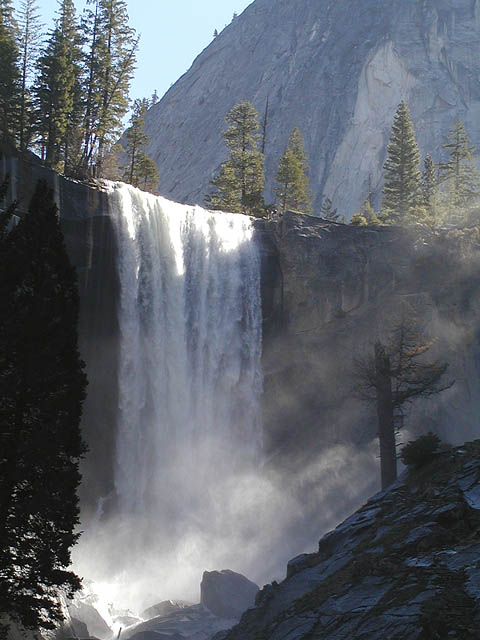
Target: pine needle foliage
x: 293, y: 190
x: 10, y: 85
x: 238, y: 187
x: 459, y: 175
x: 402, y: 190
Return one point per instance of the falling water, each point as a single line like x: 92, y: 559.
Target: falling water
x: 189, y: 383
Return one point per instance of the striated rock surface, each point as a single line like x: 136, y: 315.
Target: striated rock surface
x: 404, y: 566
x: 336, y: 69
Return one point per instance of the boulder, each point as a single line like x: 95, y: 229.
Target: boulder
x: 164, y: 608
x: 227, y: 594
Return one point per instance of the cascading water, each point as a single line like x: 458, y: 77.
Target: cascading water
x: 188, y: 432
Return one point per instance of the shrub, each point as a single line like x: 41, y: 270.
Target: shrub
x: 420, y: 451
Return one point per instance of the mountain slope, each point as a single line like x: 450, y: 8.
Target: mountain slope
x: 337, y: 69
x: 404, y: 566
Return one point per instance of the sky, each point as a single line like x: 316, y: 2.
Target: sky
x: 173, y: 33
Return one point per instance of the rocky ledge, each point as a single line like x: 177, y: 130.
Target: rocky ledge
x: 404, y: 566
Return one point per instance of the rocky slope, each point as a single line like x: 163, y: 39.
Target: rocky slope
x: 405, y: 566
x: 336, y: 69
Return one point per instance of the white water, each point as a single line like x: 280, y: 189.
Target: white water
x: 189, y: 385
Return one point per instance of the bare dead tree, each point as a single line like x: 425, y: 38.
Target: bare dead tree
x: 394, y: 375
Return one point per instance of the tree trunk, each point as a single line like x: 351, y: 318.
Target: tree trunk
x: 386, y: 429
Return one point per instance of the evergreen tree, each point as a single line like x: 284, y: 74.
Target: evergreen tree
x: 29, y: 31
x: 110, y: 65
x: 402, y: 190
x: 239, y: 185
x: 394, y: 375
x: 147, y: 173
x: 292, y: 176
x: 228, y: 193
x: 9, y: 75
x: 42, y: 386
x: 137, y: 139
x: 328, y: 211
x: 429, y: 181
x: 459, y: 174
x: 59, y: 90
x: 366, y: 215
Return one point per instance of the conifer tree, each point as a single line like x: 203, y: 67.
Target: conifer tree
x: 292, y: 176
x: 29, y: 32
x: 42, y: 386
x: 9, y: 73
x: 137, y: 139
x: 328, y: 211
x: 429, y: 181
x: 239, y: 184
x: 402, y: 190
x: 147, y: 173
x: 58, y: 90
x: 112, y: 47
x: 228, y: 193
x: 459, y: 174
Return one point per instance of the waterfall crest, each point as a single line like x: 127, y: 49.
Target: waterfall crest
x: 189, y: 380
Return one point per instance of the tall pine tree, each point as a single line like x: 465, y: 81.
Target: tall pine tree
x: 239, y: 184
x: 402, y: 190
x: 42, y: 386
x: 140, y: 171
x: 10, y: 87
x: 292, y: 176
x: 29, y: 35
x: 459, y: 175
x: 110, y: 63
x: 59, y: 89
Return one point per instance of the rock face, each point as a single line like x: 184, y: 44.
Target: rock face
x: 337, y: 70
x: 405, y: 565
x: 227, y: 594
x: 341, y: 287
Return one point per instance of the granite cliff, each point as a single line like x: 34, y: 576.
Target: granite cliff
x: 336, y: 69
x: 328, y: 290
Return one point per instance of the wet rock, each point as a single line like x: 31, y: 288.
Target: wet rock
x: 227, y: 594
x: 354, y: 588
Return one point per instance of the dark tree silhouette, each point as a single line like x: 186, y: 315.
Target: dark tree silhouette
x: 395, y: 374
x: 42, y: 386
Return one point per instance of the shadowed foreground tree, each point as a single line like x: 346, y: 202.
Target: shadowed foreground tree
x: 393, y: 375
x: 42, y: 386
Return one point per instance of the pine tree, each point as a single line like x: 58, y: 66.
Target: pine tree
x: 228, y: 193
x: 239, y: 184
x: 9, y: 73
x: 402, y: 190
x: 394, y: 375
x: 292, y: 176
x: 136, y: 139
x: 110, y: 64
x: 459, y: 174
x: 28, y: 44
x: 366, y: 215
x: 147, y: 173
x: 429, y: 181
x: 58, y: 90
x: 328, y: 211
x: 42, y: 386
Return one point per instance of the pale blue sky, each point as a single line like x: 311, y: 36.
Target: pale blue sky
x: 173, y: 33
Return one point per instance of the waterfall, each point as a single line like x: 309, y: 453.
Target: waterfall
x: 189, y: 382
